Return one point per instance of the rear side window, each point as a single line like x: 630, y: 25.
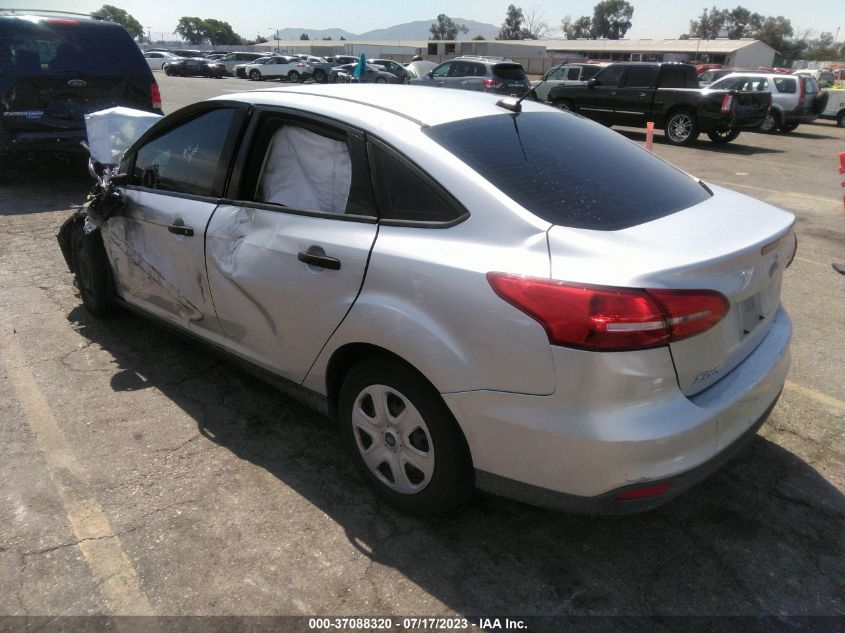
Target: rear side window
x: 569, y: 171
x: 406, y: 193
x: 574, y: 74
x: 786, y: 85
x: 45, y: 48
x: 509, y: 71
x: 191, y: 158
x: 640, y: 76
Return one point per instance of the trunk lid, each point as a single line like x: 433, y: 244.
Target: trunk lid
x: 729, y: 243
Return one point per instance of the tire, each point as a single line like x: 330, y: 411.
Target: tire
x: 255, y: 75
x: 769, y: 124
x: 93, y: 273
x: 381, y: 80
x: 723, y: 136
x: 293, y: 76
x: 168, y: 72
x: 403, y: 439
x: 320, y: 76
x: 565, y: 105
x: 681, y: 128
x: 840, y: 120
x: 788, y: 127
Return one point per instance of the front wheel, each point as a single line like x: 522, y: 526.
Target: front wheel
x: 681, y: 128
x: 840, y: 120
x: 93, y: 273
x: 293, y: 76
x: 320, y: 76
x: 255, y: 75
x: 403, y: 439
x: 723, y: 136
x: 381, y: 80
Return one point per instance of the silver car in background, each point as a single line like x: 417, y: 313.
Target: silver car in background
x: 564, y: 75
x: 590, y: 329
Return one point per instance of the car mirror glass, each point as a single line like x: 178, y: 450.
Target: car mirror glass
x: 592, y: 83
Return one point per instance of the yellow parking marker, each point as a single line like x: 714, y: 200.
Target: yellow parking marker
x: 818, y: 396
x: 110, y: 567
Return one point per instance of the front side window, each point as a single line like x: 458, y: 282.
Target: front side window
x: 191, y: 158
x: 609, y: 77
x: 442, y: 70
x: 640, y: 76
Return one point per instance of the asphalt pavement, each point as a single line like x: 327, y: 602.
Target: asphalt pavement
x: 143, y: 475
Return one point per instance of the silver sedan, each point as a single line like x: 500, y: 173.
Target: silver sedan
x: 481, y: 293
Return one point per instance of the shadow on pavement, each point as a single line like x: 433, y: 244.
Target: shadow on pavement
x: 743, y: 145
x: 50, y: 184
x: 762, y: 537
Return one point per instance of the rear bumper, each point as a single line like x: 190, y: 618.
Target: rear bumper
x: 619, y: 426
x: 57, y: 142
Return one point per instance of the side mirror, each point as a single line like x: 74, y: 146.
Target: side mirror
x: 592, y: 83
x: 430, y: 74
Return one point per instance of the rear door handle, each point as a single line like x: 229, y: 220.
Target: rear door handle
x: 181, y: 229
x: 319, y: 260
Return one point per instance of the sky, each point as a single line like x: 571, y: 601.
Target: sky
x: 652, y: 18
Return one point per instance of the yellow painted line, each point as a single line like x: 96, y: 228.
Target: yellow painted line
x: 818, y: 396
x: 812, y: 261
x: 111, y: 568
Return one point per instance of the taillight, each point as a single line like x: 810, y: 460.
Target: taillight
x: 609, y: 318
x: 803, y: 89
x: 155, y: 94
x: 301, y: 65
x: 492, y: 83
x: 643, y: 492
x: 727, y: 102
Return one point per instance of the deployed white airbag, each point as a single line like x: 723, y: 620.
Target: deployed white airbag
x: 305, y: 170
x: 112, y: 131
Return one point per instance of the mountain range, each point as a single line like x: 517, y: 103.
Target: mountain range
x: 409, y: 31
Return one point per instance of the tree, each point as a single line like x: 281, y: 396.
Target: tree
x: 512, y: 26
x: 775, y: 31
x: 304, y: 36
x: 218, y: 32
x: 742, y: 23
x: 580, y: 28
x: 446, y: 29
x: 611, y: 19
x: 709, y: 24
x: 191, y: 29
x: 535, y: 27
x: 113, y: 14
x: 479, y: 38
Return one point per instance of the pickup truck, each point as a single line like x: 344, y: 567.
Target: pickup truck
x: 667, y: 93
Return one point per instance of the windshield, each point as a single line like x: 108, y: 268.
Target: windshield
x: 68, y: 47
x: 569, y: 171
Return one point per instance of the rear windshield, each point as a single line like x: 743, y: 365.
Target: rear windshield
x: 68, y: 47
x: 569, y: 171
x: 509, y: 71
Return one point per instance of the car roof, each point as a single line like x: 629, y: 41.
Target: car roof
x: 421, y: 105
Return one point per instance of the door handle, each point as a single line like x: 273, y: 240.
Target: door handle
x: 642, y: 94
x: 613, y: 94
x: 320, y: 260
x: 181, y: 229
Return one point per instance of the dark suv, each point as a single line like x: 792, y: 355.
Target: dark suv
x: 488, y: 74
x: 54, y: 69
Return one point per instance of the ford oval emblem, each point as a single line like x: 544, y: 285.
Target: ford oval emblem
x: 77, y: 83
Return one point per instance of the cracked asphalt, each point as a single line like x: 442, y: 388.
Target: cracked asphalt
x: 143, y: 475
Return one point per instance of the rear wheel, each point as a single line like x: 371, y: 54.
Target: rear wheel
x: 681, y: 128
x: 293, y: 76
x: 769, y: 123
x: 403, y: 439
x: 255, y: 75
x: 565, y: 105
x: 93, y: 273
x: 320, y: 76
x: 840, y: 120
x: 788, y: 127
x: 722, y: 136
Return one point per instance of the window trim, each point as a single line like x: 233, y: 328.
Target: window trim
x: 378, y: 190
x: 234, y: 194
